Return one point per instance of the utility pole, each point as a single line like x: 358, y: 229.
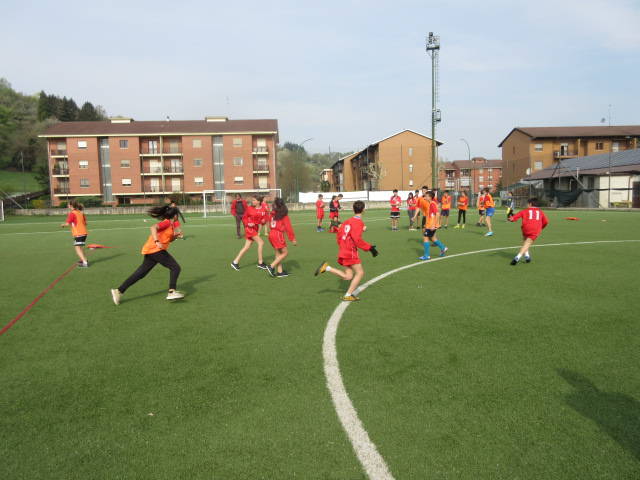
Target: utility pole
x: 433, y: 50
x: 24, y: 184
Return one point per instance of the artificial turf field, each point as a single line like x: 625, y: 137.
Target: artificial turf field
x: 465, y: 368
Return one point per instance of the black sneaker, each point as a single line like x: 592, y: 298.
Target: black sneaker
x: 271, y: 270
x: 283, y: 273
x: 235, y: 266
x: 527, y: 259
x: 514, y: 262
x: 262, y: 266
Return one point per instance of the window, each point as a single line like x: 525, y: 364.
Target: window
x: 261, y: 142
x: 197, y: 162
x: 599, y: 146
x: 237, y: 161
x: 411, y: 183
x: 411, y: 168
x: 238, y: 180
x: 537, y: 166
x: 126, y: 182
x: 480, y: 171
x: 83, y: 164
x: 538, y: 147
x: 615, y: 147
x: 84, y: 182
x: 237, y: 142
x: 125, y: 163
x: 489, y: 171
x: 124, y: 143
x: 514, y: 150
x: 411, y: 151
x: 82, y: 144
x: 490, y: 186
x: 480, y: 178
x: 196, y: 143
x: 199, y: 180
x: 465, y: 172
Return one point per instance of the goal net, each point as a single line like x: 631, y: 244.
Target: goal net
x: 218, y: 202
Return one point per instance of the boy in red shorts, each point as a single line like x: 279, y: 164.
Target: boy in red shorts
x: 533, y: 221
x: 319, y: 213
x: 349, y: 239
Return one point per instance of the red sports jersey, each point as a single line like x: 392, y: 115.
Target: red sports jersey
x: 349, y: 239
x: 533, y: 221
x: 278, y: 229
x: 395, y: 201
x: 252, y: 219
x: 412, y: 203
x: 319, y: 206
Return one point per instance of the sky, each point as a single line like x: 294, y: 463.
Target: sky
x: 343, y: 73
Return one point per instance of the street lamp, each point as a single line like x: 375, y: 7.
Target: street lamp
x: 470, y: 167
x: 297, y: 166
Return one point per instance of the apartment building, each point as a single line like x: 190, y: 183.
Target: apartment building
x: 136, y: 162
x: 401, y: 161
x: 528, y: 149
x: 470, y: 175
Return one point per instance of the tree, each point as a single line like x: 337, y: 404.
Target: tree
x: 88, y: 113
x: 68, y: 111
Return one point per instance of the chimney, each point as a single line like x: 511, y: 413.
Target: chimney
x: 216, y: 119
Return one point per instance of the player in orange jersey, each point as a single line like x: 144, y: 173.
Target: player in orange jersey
x: 254, y: 217
x: 446, y: 207
x: 78, y: 223
x: 480, y: 205
x: 349, y: 240
x: 463, y: 204
x: 431, y: 226
x: 489, y: 211
x: 155, y: 252
x: 280, y: 224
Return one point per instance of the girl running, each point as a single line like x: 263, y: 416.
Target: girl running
x: 280, y: 224
x: 155, y: 251
x: 254, y: 216
x: 265, y: 207
x: 78, y: 223
x: 412, y: 205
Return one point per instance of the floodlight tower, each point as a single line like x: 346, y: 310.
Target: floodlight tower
x: 433, y: 50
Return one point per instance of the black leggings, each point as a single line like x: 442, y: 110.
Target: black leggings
x: 462, y: 214
x: 151, y: 260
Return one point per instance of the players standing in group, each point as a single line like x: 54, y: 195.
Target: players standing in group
x: 446, y: 208
x: 429, y: 209
x: 78, y: 223
x: 489, y: 211
x: 480, y: 205
x: 412, y: 203
x: 279, y: 225
x: 319, y: 213
x: 510, y: 205
x: 238, y: 207
x: 254, y: 217
x: 463, y: 204
x: 349, y: 240
x: 533, y: 222
x: 396, y: 203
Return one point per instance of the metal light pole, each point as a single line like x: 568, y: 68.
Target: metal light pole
x: 24, y: 185
x: 297, y: 166
x: 433, y: 49
x: 470, y: 167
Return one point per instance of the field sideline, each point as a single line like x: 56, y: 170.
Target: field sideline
x: 464, y: 368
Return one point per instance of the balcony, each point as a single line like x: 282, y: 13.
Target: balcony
x: 147, y: 149
x: 256, y: 185
x: 174, y: 171
x: 58, y: 153
x: 61, y: 190
x: 60, y: 171
x: 260, y: 151
x: 564, y: 154
x: 147, y: 170
x: 172, y: 149
x: 260, y: 167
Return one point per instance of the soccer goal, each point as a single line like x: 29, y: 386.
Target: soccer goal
x: 219, y: 201
x: 1, y: 211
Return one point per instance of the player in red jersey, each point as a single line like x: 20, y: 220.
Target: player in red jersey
x: 265, y: 208
x: 280, y: 224
x: 533, y: 221
x: 396, y: 203
x: 412, y: 205
x: 319, y: 213
x: 334, y: 213
x: 254, y: 216
x: 349, y: 240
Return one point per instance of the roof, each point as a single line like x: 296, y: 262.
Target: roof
x: 627, y: 161
x: 402, y: 131
x: 492, y: 163
x: 170, y: 127
x: 566, y: 132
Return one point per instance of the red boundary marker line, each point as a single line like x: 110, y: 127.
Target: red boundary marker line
x: 35, y: 300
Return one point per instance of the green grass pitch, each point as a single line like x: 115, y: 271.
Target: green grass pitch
x: 465, y: 368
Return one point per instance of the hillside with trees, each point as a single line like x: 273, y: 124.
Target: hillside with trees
x: 24, y: 117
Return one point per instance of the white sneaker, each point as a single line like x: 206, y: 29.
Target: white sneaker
x: 115, y: 294
x: 175, y: 295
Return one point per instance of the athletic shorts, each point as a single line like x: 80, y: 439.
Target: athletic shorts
x: 334, y: 214
x: 531, y: 235
x: 276, y: 239
x: 490, y: 211
x: 481, y: 212
x: 347, y: 262
x: 79, y: 241
x: 444, y: 213
x: 429, y: 233
x: 250, y: 232
x: 395, y: 214
x: 319, y: 215
x: 411, y: 213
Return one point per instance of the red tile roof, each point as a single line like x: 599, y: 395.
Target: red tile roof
x: 171, y: 127
x: 569, y: 132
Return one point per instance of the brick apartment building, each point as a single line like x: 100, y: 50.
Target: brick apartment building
x: 526, y: 150
x: 127, y: 162
x: 401, y: 161
x: 470, y: 175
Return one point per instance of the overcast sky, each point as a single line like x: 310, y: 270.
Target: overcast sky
x: 345, y: 73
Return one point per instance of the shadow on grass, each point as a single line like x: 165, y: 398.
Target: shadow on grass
x: 187, y: 287
x: 94, y: 260
x: 616, y: 414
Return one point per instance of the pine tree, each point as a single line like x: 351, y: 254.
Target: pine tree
x: 88, y: 113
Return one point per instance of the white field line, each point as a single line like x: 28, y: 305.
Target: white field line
x: 372, y: 462
x: 187, y: 227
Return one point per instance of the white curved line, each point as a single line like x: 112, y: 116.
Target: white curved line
x: 374, y: 465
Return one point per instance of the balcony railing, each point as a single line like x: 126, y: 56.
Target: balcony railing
x: 173, y: 169
x: 60, y: 171
x: 152, y: 170
x: 565, y: 153
x: 152, y: 188
x: 260, y: 167
x: 260, y: 150
x: 59, y: 153
x: 59, y: 190
x: 147, y: 150
x: 257, y: 186
x: 172, y: 149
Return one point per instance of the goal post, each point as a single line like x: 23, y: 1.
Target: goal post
x: 219, y: 201
x: 1, y: 211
